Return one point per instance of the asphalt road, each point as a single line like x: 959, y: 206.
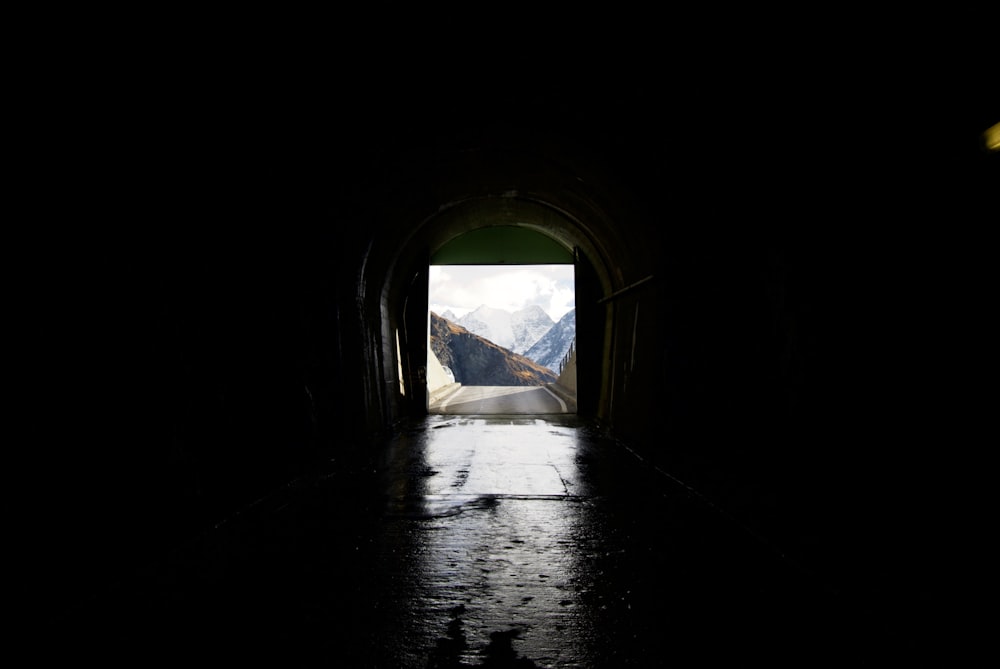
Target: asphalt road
x: 492, y: 400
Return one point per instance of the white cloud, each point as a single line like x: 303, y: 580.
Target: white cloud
x: 462, y: 288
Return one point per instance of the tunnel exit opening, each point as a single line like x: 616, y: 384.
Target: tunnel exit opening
x: 505, y: 233
x: 501, y: 323
x: 501, y: 339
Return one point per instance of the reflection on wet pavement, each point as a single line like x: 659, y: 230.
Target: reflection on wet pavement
x: 502, y: 541
x: 538, y: 536
x: 491, y: 528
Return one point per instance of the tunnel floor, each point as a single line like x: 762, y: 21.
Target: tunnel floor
x: 473, y: 541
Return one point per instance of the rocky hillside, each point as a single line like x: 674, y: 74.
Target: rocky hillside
x: 476, y: 361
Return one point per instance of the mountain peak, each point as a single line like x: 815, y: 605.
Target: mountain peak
x: 516, y: 331
x: 532, y: 312
x: 551, y: 349
x: 486, y: 311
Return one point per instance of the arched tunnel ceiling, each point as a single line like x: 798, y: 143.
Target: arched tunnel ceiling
x: 502, y: 245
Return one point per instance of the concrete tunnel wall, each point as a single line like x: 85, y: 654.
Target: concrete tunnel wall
x: 237, y: 329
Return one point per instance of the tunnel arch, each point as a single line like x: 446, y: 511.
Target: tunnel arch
x: 470, y: 226
x: 403, y: 291
x: 549, y: 189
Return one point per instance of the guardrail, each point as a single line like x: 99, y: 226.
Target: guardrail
x: 571, y: 353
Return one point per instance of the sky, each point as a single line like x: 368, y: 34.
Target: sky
x: 462, y: 288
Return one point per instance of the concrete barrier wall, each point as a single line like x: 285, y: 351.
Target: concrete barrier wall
x: 567, y: 377
x: 437, y: 375
x: 565, y: 386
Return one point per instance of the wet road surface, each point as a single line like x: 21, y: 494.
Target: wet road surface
x: 502, y: 541
x: 501, y: 400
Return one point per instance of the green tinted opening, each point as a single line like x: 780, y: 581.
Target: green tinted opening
x: 502, y: 245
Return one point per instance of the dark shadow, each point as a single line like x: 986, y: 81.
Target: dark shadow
x: 499, y: 652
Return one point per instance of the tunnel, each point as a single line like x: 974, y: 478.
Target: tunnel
x: 504, y: 231
x: 782, y: 289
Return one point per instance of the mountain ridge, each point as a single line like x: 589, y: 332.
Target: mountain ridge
x: 551, y: 349
x: 516, y: 331
x: 476, y: 361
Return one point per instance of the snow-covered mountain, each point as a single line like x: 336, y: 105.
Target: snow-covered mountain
x: 516, y: 331
x: 529, y: 325
x: 550, y: 350
x: 449, y: 315
x: 489, y: 323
